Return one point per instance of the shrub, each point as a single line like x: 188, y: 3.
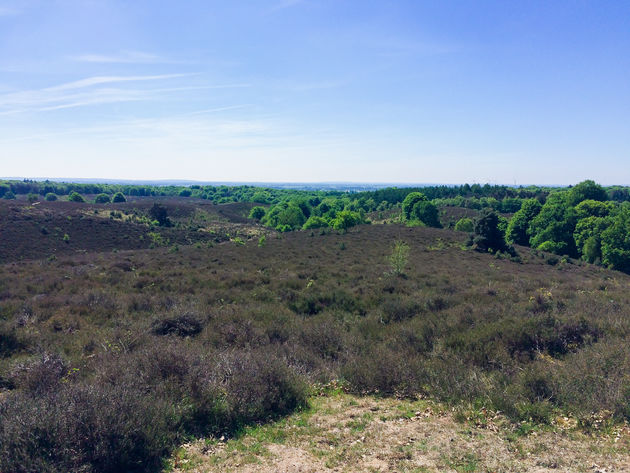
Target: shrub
x: 410, y: 201
x: 185, y: 325
x: 75, y: 197
x: 9, y: 195
x: 159, y: 213
x: 315, y: 222
x: 398, y: 258
x: 118, y: 197
x: 346, y: 219
x: 427, y: 213
x: 102, y: 199
x: 464, y: 224
x: 257, y: 212
x: 42, y: 374
x: 9, y: 342
x: 139, y: 406
x: 81, y: 428
x: 488, y: 236
x: 51, y: 197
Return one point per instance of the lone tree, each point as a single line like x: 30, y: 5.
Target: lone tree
x: 412, y: 199
x: 158, y: 212
x: 488, y: 236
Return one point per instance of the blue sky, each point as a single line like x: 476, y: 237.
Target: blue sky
x: 316, y: 90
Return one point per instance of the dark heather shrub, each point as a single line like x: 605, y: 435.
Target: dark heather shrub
x: 41, y: 374
x: 186, y: 325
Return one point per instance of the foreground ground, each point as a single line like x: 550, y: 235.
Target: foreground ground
x: 121, y: 339
x: 345, y: 433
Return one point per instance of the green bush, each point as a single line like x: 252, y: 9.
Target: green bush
x: 75, y: 197
x: 315, y: 222
x: 464, y: 224
x: 102, y: 199
x: 51, y: 197
x: 118, y: 197
x: 488, y: 236
x: 410, y: 201
x: 427, y: 213
x: 257, y: 212
x: 398, y: 258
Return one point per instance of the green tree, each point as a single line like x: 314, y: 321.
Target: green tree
x: 588, y: 235
x: 488, y: 236
x: 346, y: 219
x: 315, y: 222
x: 257, y: 212
x: 594, y: 208
x: 615, y: 242
x: 75, y: 197
x: 465, y: 224
x: 427, y: 213
x: 102, y: 199
x: 517, y: 229
x: 555, y: 223
x: 284, y: 216
x: 118, y: 197
x: 412, y: 199
x: 586, y: 190
x: 51, y: 197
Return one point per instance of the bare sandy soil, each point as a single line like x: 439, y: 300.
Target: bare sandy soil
x: 343, y: 433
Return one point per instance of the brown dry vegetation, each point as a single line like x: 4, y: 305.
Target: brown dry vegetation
x: 109, y: 359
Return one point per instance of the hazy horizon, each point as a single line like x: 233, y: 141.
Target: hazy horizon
x: 316, y: 91
x: 280, y: 184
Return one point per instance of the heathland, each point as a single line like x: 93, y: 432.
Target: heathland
x: 134, y: 320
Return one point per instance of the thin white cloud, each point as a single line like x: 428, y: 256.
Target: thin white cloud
x: 94, y: 91
x: 125, y: 57
x: 90, y: 81
x: 322, y: 85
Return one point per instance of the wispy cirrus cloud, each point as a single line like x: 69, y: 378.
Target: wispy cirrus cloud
x: 98, y: 80
x: 124, y: 57
x: 94, y: 91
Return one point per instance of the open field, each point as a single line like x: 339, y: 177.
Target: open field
x: 109, y: 359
